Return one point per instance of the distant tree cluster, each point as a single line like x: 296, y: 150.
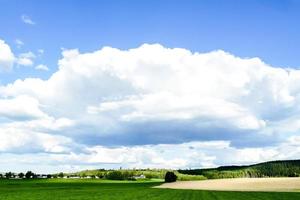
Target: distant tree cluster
x: 127, y: 174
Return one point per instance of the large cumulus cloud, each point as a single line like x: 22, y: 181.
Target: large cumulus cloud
x: 153, y: 95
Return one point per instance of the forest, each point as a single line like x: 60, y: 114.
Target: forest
x: 287, y: 168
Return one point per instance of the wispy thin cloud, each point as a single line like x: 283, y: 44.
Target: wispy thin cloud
x: 42, y: 67
x: 19, y: 43
x: 41, y: 51
x: 27, y: 20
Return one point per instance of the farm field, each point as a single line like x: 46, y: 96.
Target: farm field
x: 59, y: 189
x: 240, y: 184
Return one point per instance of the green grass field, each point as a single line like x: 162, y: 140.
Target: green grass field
x: 117, y: 190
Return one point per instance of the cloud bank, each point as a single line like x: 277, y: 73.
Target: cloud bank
x: 153, y: 106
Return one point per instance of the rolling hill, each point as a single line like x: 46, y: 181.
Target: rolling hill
x: 280, y: 168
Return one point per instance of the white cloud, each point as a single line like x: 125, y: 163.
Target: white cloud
x: 6, y: 57
x: 42, y: 67
x: 15, y: 140
x: 26, y: 59
x: 20, y: 107
x: 156, y: 83
x: 27, y: 20
x: 185, y: 107
x: 46, y: 124
x: 158, y: 156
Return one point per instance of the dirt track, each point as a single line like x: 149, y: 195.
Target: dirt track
x: 239, y: 184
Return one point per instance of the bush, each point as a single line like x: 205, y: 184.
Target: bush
x: 170, y: 177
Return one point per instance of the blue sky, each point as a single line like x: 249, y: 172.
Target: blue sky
x: 266, y: 29
x: 131, y: 83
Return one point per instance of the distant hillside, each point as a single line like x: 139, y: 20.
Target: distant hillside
x: 286, y: 168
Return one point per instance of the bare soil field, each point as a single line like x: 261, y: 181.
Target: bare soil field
x: 239, y: 184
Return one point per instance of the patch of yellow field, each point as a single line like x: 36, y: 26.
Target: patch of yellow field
x: 239, y: 184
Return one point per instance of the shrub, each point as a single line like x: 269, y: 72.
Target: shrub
x: 170, y: 177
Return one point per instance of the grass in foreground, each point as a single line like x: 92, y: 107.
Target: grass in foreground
x: 116, y: 190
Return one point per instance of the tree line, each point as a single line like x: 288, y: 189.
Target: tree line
x: 21, y: 175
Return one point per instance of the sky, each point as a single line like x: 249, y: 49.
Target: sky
x: 157, y: 84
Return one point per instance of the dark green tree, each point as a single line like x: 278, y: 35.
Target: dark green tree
x: 61, y: 175
x: 21, y: 175
x: 29, y: 174
x: 170, y: 177
x: 8, y: 175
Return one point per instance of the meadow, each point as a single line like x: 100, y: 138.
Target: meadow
x: 61, y: 189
